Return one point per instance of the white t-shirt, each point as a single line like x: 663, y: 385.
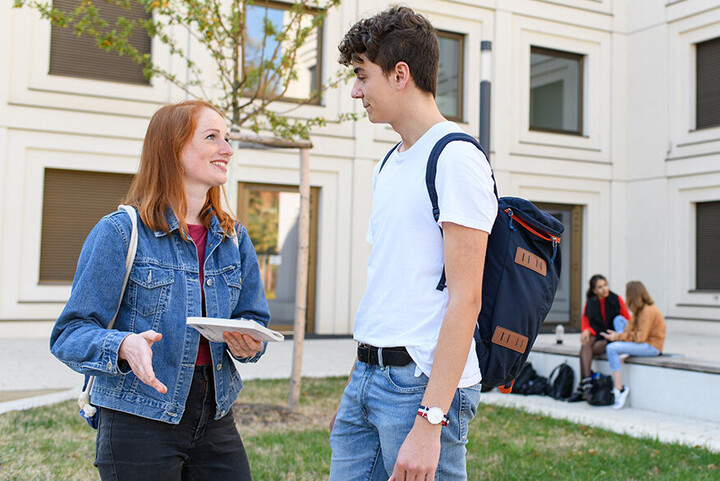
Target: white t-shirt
x: 401, y: 305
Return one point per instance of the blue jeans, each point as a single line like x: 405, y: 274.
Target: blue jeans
x: 376, y: 413
x: 620, y: 323
x: 614, y: 349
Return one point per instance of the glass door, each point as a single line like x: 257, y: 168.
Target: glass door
x: 567, y: 304
x: 270, y: 214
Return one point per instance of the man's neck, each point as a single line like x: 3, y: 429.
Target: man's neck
x: 418, y: 116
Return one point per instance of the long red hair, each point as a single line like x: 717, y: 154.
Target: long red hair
x: 158, y: 183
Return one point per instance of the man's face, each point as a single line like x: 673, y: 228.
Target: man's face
x: 375, y: 90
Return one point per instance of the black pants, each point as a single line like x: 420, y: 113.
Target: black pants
x: 133, y: 448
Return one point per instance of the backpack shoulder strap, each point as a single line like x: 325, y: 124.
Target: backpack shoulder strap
x: 387, y: 156
x: 431, y: 171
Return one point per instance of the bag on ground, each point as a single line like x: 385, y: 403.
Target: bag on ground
x: 561, y: 382
x: 523, y: 379
x: 601, y: 391
x: 529, y: 382
x: 522, y: 268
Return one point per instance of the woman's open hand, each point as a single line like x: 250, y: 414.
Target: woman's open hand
x: 136, y: 349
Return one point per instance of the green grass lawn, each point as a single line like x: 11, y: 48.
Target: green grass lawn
x: 53, y: 443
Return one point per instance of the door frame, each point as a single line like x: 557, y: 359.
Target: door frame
x: 243, y: 203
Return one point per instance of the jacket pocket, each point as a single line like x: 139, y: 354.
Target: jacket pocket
x: 233, y: 280
x: 150, y: 289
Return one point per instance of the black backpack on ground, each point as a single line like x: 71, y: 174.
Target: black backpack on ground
x: 529, y: 382
x: 522, y: 268
x: 522, y: 381
x: 601, y: 391
x: 561, y: 385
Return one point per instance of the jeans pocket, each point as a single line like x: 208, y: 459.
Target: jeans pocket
x: 403, y: 379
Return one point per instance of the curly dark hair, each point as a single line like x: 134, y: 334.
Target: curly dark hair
x: 397, y: 34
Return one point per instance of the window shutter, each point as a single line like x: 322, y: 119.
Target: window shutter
x: 707, y: 262
x: 73, y: 202
x: 708, y: 84
x: 74, y: 56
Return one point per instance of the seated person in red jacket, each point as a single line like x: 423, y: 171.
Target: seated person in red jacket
x: 601, y: 308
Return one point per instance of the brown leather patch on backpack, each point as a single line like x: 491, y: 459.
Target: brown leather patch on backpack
x: 527, y: 259
x: 511, y: 340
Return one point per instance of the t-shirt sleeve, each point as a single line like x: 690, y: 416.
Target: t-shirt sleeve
x: 465, y: 187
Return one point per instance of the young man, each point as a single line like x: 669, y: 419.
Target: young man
x: 417, y: 368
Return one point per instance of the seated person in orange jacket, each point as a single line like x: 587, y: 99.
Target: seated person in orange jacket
x: 644, y: 335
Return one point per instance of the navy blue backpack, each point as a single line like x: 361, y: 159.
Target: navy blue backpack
x: 522, y: 270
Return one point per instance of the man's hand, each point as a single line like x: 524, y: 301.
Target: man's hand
x: 419, y: 454
x: 136, y: 349
x: 242, y: 345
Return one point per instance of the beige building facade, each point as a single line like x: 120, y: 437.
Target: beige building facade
x: 603, y: 112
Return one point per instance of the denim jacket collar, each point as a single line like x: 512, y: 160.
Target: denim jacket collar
x: 174, y: 224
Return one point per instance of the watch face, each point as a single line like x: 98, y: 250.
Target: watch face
x: 435, y: 415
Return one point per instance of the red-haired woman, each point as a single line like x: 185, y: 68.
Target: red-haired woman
x: 644, y: 335
x: 164, y: 392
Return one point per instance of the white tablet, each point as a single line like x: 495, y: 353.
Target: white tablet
x: 212, y: 328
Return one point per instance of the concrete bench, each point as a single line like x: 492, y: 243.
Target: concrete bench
x: 670, y: 383
x: 667, y: 359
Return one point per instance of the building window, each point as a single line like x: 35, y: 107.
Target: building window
x: 261, y: 48
x: 708, y: 84
x: 450, y: 76
x: 74, y: 56
x: 556, y: 91
x: 270, y: 213
x: 707, y: 247
x: 73, y: 202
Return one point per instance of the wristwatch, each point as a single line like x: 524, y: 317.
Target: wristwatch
x: 434, y: 415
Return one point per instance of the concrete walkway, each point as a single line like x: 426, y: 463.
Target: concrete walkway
x: 31, y: 376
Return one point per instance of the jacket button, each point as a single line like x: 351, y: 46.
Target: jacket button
x: 209, y: 282
x: 109, y: 366
x: 219, y: 366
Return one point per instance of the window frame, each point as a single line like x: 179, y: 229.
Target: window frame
x: 581, y: 89
x: 461, y: 72
x: 243, y: 202
x: 101, y: 61
x: 59, y: 248
x: 697, y: 81
x: 267, y: 4
x: 699, y: 262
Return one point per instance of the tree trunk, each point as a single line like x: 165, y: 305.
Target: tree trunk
x: 301, y: 279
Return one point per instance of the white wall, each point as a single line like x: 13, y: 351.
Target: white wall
x: 637, y: 169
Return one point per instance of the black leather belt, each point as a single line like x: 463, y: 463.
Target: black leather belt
x: 383, y: 356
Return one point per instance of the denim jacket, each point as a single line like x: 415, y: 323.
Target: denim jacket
x: 162, y: 292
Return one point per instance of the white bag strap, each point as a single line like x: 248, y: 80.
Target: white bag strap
x: 132, y: 249
x: 84, y: 399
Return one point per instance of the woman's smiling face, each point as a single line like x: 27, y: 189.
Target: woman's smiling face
x: 206, y: 156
